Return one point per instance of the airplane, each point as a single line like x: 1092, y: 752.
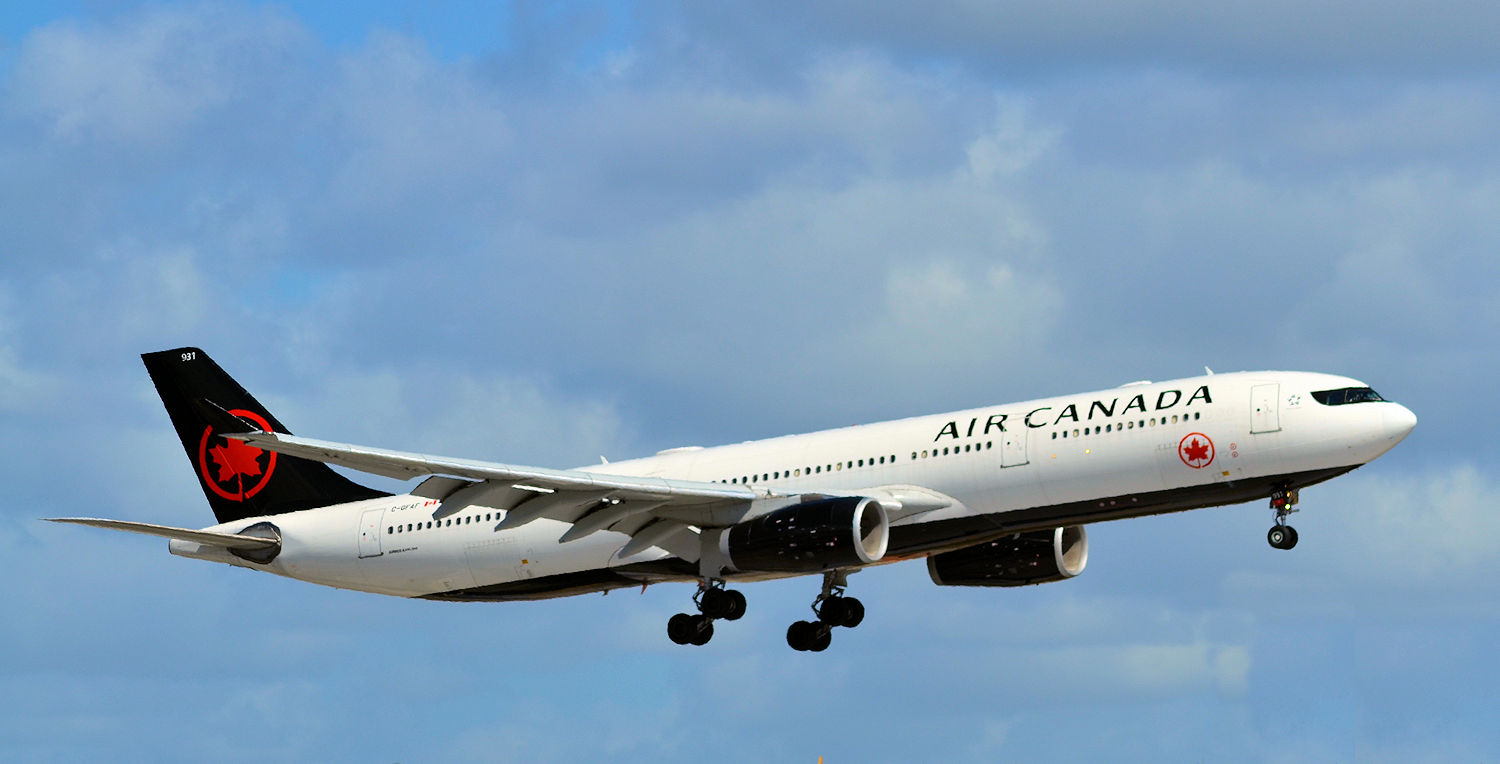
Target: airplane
x: 993, y: 496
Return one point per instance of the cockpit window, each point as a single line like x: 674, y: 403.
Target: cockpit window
x: 1346, y: 395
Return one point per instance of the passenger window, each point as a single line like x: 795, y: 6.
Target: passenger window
x: 924, y: 453
x: 390, y: 529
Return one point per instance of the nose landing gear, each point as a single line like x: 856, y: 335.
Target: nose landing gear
x: 833, y: 608
x: 1281, y: 535
x: 714, y: 601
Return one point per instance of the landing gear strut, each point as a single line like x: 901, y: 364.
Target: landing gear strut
x: 1281, y: 535
x: 833, y: 609
x: 713, y: 601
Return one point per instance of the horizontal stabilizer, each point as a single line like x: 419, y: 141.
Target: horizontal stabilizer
x: 226, y: 540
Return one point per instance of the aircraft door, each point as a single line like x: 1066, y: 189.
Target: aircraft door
x: 369, y: 533
x: 1265, y: 414
x: 1013, y: 447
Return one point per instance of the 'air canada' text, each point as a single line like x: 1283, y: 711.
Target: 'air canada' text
x: 1043, y: 416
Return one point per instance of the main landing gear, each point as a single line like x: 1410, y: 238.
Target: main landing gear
x: 1281, y: 535
x: 833, y: 609
x: 713, y: 601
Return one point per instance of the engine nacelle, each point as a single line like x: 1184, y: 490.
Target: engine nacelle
x: 1022, y: 559
x: 815, y: 535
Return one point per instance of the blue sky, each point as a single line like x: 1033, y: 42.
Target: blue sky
x: 542, y: 234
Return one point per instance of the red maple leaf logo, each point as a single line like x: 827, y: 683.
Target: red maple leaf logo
x: 236, y: 458
x: 1196, y: 450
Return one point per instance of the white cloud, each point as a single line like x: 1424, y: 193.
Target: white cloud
x: 22, y: 388
x: 144, y: 77
x: 939, y: 314
x: 1421, y: 531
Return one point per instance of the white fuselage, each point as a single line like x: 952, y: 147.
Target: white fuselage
x: 1130, y: 451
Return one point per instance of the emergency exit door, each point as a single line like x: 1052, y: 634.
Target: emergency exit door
x: 1265, y: 402
x: 369, y: 533
x: 1013, y: 447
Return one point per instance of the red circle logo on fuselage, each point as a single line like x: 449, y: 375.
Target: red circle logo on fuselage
x: 1196, y: 450
x: 235, y: 462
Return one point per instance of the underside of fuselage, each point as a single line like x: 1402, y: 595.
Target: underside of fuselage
x: 920, y: 539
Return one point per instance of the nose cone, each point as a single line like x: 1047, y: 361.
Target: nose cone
x: 1398, y: 421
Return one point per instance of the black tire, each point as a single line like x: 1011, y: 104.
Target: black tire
x: 822, y: 637
x: 703, y: 630
x: 832, y: 611
x: 1277, y: 537
x: 680, y: 628
x: 736, y: 605
x: 854, y: 613
x: 714, y: 603
x: 1291, y: 537
x: 799, y: 635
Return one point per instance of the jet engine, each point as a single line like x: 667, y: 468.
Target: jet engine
x: 815, y: 535
x: 1020, y: 559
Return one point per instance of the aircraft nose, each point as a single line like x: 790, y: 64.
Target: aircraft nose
x: 1399, y: 421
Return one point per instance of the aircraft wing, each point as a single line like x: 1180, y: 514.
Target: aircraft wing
x: 653, y: 511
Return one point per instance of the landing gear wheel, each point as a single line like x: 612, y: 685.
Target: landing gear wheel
x: 722, y: 603
x: 1282, y: 536
x: 736, y: 605
x: 822, y: 637
x: 685, y: 629
x: 714, y: 603
x: 680, y: 628
x: 854, y: 612
x: 831, y: 611
x: 801, y: 636
x: 841, y: 611
x: 703, y: 629
x: 1283, y: 503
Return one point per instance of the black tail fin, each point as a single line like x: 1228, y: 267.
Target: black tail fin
x: 239, y: 480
